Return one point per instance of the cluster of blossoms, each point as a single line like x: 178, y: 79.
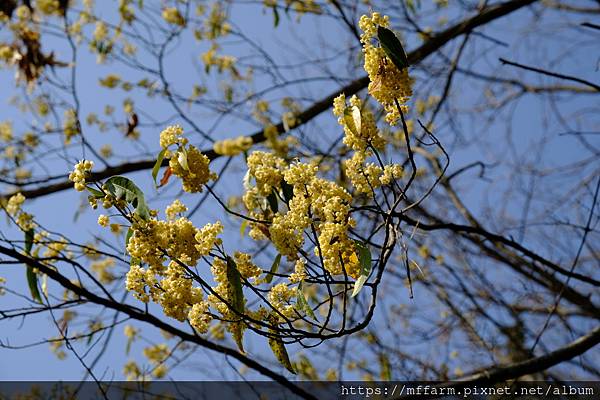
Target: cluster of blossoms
x: 211, y: 58
x: 173, y: 16
x: 187, y: 163
x: 388, y: 84
x: 233, y: 147
x: 316, y: 201
x: 13, y: 208
x: 78, y: 175
x: 102, y: 269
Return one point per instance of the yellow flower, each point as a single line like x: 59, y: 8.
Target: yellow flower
x: 174, y: 209
x: 388, y: 84
x: 173, y: 16
x: 199, y: 317
x: 192, y: 167
x: 233, y: 147
x: 14, y: 204
x: 103, y: 220
x: 172, y: 135
x: 78, y: 175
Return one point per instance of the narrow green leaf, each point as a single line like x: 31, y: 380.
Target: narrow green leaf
x: 364, y: 256
x: 273, y: 203
x: 274, y: 268
x: 365, y: 259
x: 281, y: 354
x: 236, y: 296
x: 28, y: 240
x: 392, y: 47
x: 243, y: 227
x: 96, y: 193
x: 302, y: 304
x: 32, y: 278
x: 127, y: 237
x: 157, y: 164
x: 235, y: 286
x: 385, y: 367
x: 349, y: 120
x: 275, y: 17
x: 287, y: 190
x: 358, y: 285
x: 32, y: 281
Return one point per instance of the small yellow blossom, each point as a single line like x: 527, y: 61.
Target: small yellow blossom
x: 233, y: 147
x: 103, y: 220
x: 173, y: 16
x: 174, y: 209
x: 78, y: 175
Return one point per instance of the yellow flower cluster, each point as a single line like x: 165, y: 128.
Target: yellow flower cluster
x: 189, y: 163
x: 173, y: 16
x: 206, y: 237
x: 2, y: 282
x: 102, y: 269
x: 233, y: 147
x: 103, y: 220
x: 172, y: 135
x: 388, y: 83
x: 280, y: 297
x: 130, y: 332
x: 299, y: 271
x: 175, y: 209
x: 211, y: 58
x: 70, y: 125
x: 177, y: 238
x: 78, y: 175
x: 267, y: 170
x: 359, y: 125
x: 216, y: 24
x: 192, y: 167
x: 6, y: 131
x: 315, y: 201
x: 199, y: 317
x: 14, y: 204
x: 48, y: 7
x: 132, y: 371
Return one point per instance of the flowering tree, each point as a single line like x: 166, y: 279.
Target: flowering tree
x: 371, y: 239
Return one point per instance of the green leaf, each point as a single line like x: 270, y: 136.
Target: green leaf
x: 365, y: 259
x: 235, y: 283
x: 96, y: 193
x: 32, y: 278
x: 302, y: 304
x: 287, y: 190
x: 358, y: 285
x: 32, y: 281
x: 385, y: 367
x: 236, y: 297
x: 124, y: 188
x: 127, y: 237
x: 157, y: 164
x: 350, y: 122
x: 392, y: 47
x: 275, y: 17
x: 28, y: 240
x: 243, y: 227
x: 272, y: 198
x: 280, y: 352
x: 274, y: 268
